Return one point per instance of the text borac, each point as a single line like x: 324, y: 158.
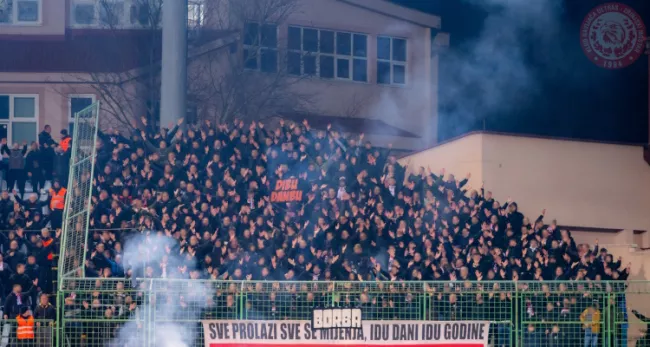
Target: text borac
x: 379, y: 331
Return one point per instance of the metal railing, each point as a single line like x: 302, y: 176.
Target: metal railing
x: 43, y: 334
x: 140, y: 311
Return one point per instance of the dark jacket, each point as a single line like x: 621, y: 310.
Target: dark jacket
x: 45, y: 139
x: 62, y: 166
x: 12, y: 307
x: 17, y: 159
x: 45, y: 312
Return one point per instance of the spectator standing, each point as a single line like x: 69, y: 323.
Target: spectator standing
x: 590, y: 319
x: 46, y: 246
x: 47, y: 146
x: 25, y: 328
x: 532, y: 337
x: 66, y: 140
x: 17, y: 300
x: 57, y: 204
x: 46, y: 314
x: 61, y: 167
x: 33, y: 167
x: 4, y: 151
x: 16, y: 172
x: 45, y: 137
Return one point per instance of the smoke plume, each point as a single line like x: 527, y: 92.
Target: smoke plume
x: 167, y: 299
x: 492, y: 73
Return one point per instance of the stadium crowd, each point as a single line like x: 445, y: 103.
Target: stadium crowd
x: 206, y: 189
x: 360, y: 217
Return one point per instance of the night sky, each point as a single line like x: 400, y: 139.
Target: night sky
x: 572, y: 96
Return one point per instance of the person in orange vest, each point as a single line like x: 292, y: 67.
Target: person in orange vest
x: 25, y: 329
x: 57, y: 204
x: 66, y: 140
x: 46, y: 248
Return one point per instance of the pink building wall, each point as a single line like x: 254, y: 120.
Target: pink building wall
x: 53, y: 91
x: 53, y: 21
x: 412, y: 107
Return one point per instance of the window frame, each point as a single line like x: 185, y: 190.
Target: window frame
x: 196, y: 23
x: 125, y: 21
x: 393, y: 62
x: 259, y: 48
x: 12, y: 119
x: 96, y: 6
x: 14, y: 15
x: 336, y: 56
x: 92, y: 97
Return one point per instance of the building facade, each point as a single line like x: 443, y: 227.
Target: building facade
x: 368, y: 66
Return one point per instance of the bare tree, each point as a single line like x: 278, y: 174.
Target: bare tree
x: 256, y: 83
x: 130, y: 89
x: 245, y: 75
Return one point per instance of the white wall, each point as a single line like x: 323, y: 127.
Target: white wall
x: 579, y: 183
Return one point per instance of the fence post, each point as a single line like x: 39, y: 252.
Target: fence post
x: 58, y: 324
x: 423, y: 293
x: 242, y: 301
x: 515, y: 321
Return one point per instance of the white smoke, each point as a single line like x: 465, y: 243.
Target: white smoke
x: 166, y: 299
x: 491, y: 74
x: 481, y: 77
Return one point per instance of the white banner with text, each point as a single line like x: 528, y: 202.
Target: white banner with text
x: 235, y: 333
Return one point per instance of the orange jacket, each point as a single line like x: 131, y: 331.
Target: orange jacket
x: 57, y: 201
x: 65, y: 143
x: 46, y: 243
x: 25, y: 329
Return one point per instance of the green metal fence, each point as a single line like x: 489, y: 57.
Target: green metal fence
x: 43, y: 334
x: 83, y: 153
x: 143, y: 312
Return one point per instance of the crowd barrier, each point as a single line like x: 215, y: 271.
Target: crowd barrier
x: 41, y: 334
x: 153, y: 312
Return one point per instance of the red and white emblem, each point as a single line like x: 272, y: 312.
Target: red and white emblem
x: 613, y: 35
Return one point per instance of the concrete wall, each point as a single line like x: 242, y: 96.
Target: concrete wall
x: 456, y: 157
x: 579, y: 183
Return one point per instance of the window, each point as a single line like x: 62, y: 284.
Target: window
x: 327, y: 54
x: 261, y: 47
x: 195, y: 13
x: 111, y: 12
x: 391, y: 60
x: 25, y: 12
x: 121, y: 13
x: 18, y: 117
x: 77, y: 103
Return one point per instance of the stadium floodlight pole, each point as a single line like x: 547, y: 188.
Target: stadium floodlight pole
x: 174, y: 61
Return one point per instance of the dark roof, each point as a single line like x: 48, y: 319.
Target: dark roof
x: 80, y: 51
x: 88, y: 50
x: 348, y: 124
